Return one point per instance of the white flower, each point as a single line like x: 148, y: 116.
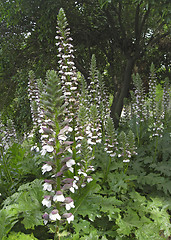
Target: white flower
x: 89, y: 179
x: 70, y: 129
x: 73, y: 88
x: 62, y: 137
x: 68, y: 83
x: 109, y: 151
x: 75, y: 185
x: 59, y: 197
x: 71, y: 169
x: 46, y: 168
x: 45, y: 218
x: 90, y: 168
x: 69, y: 217
x: 45, y: 221
x: 76, y: 178
x: 44, y: 136
x: 81, y: 172
x: 69, y: 203
x: 47, y: 148
x: 54, y: 215
x: 72, y: 189
x: 35, y: 148
x: 67, y: 94
x: 69, y: 150
x: 47, y: 186
x: 46, y: 201
x: 70, y: 163
x: 126, y: 160
x: 113, y: 154
x: 90, y: 142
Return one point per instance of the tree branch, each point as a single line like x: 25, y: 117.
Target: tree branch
x: 120, y: 21
x: 144, y: 20
x: 81, y: 69
x: 137, y: 36
x: 153, y: 40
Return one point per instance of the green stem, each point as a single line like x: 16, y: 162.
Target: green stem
x: 8, y: 175
x: 126, y: 168
x: 155, y: 152
x: 57, y: 237
x: 137, y: 134
x: 107, y: 170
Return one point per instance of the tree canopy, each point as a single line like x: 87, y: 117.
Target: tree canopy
x: 121, y: 33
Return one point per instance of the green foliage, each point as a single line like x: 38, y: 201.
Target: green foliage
x: 8, y: 218
x: 24, y: 205
x: 17, y: 164
x: 20, y: 236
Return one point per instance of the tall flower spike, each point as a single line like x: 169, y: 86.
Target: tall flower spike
x: 7, y: 134
x: 34, y: 97
x: 66, y: 63
x: 51, y: 103
x: 166, y: 97
x: 152, y: 90
x: 93, y: 88
x: 139, y: 99
x: 111, y: 142
x: 68, y: 74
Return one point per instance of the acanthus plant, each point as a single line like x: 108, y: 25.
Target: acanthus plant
x: 7, y: 134
x: 138, y: 108
x: 64, y: 142
x: 34, y: 91
x: 158, y: 109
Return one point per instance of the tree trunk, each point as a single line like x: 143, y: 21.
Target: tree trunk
x: 117, y: 104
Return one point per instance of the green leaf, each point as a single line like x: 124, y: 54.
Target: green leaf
x: 8, y: 218
x: 86, y: 201
x: 124, y: 227
x: 92, y: 236
x: 27, y: 203
x: 82, y: 225
x: 20, y: 236
x: 110, y: 206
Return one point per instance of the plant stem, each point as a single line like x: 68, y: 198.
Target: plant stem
x: 8, y: 175
x: 107, y: 171
x: 155, y: 152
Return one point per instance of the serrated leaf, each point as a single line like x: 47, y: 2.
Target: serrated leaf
x: 109, y: 205
x: 124, y: 227
x: 82, y: 225
x: 86, y: 201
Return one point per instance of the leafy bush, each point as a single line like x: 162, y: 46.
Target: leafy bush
x: 24, y: 205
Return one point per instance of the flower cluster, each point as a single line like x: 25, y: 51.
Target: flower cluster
x: 111, y: 142
x: 67, y: 67
x: 7, y: 134
x: 127, y: 146
x: 157, y: 124
x: 34, y: 97
x: 138, y: 97
x: 97, y: 94
x: 126, y: 113
x: 152, y: 91
x: 166, y: 98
